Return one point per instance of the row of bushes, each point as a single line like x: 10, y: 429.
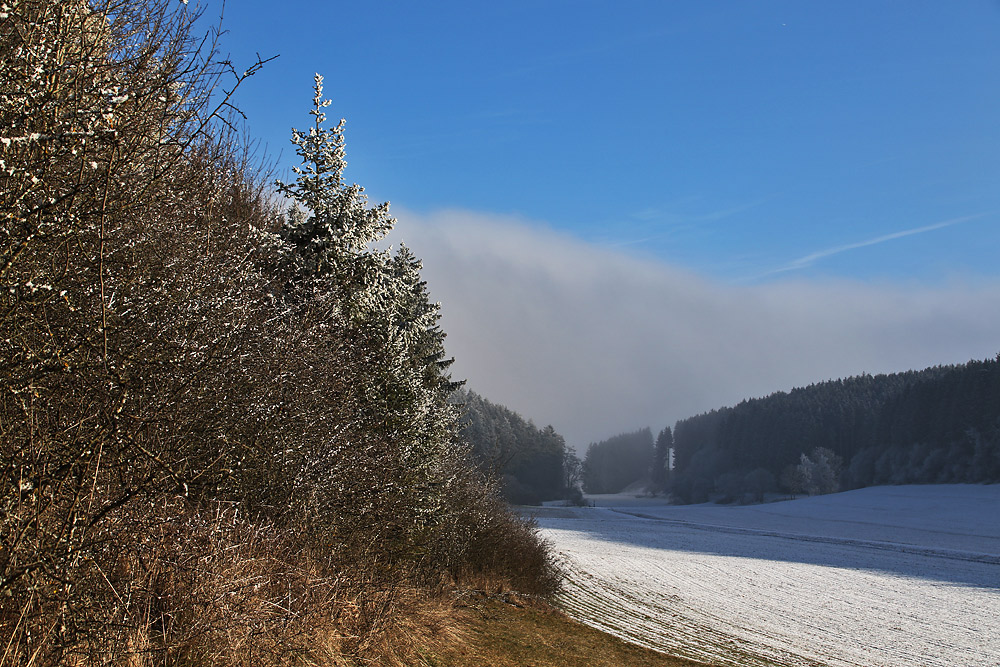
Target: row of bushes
x: 225, y: 427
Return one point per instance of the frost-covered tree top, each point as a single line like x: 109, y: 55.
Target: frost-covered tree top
x: 333, y: 219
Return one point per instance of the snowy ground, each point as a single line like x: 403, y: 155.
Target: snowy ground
x: 888, y: 576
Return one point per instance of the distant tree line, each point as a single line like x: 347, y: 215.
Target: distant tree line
x: 533, y: 464
x: 613, y: 464
x: 939, y: 425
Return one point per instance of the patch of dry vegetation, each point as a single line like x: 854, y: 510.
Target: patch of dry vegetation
x: 505, y: 630
x: 225, y: 432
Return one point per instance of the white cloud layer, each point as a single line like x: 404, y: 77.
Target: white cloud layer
x: 597, y: 342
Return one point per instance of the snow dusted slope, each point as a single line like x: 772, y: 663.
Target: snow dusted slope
x: 887, y: 576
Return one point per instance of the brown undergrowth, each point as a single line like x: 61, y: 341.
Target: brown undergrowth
x: 509, y: 630
x: 209, y: 587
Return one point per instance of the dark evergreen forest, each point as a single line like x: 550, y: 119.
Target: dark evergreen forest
x: 939, y: 425
x: 613, y: 464
x: 533, y: 463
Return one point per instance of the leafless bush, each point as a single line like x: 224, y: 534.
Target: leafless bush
x: 495, y: 548
x: 211, y: 587
x: 205, y: 460
x: 114, y: 324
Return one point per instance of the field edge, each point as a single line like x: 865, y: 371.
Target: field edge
x: 513, y: 631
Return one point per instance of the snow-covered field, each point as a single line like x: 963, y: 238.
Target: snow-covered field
x: 888, y: 576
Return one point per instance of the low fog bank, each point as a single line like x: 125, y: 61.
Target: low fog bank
x: 598, y: 342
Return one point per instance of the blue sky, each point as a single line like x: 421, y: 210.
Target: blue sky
x: 636, y: 211
x: 743, y: 139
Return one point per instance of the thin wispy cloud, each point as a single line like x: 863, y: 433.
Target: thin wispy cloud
x: 653, y: 213
x: 722, y: 214
x: 674, y: 221
x: 810, y: 259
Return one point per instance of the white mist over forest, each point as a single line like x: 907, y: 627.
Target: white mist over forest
x: 598, y: 342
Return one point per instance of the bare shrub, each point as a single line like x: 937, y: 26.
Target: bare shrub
x: 116, y: 326
x: 205, y: 458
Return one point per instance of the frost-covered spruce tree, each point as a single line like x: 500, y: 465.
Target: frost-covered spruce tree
x: 330, y: 229
x: 417, y: 320
x: 434, y: 422
x: 329, y: 235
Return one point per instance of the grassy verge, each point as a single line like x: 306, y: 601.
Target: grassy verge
x: 507, y: 631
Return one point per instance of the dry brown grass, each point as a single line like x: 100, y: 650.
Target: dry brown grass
x: 209, y: 589
x: 508, y: 630
x: 207, y: 586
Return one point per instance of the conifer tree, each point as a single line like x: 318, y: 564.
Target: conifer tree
x: 329, y: 236
x: 416, y: 318
x: 330, y: 229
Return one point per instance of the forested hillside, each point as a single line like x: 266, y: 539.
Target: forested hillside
x: 533, y: 464
x: 613, y: 464
x: 226, y: 427
x: 940, y: 425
